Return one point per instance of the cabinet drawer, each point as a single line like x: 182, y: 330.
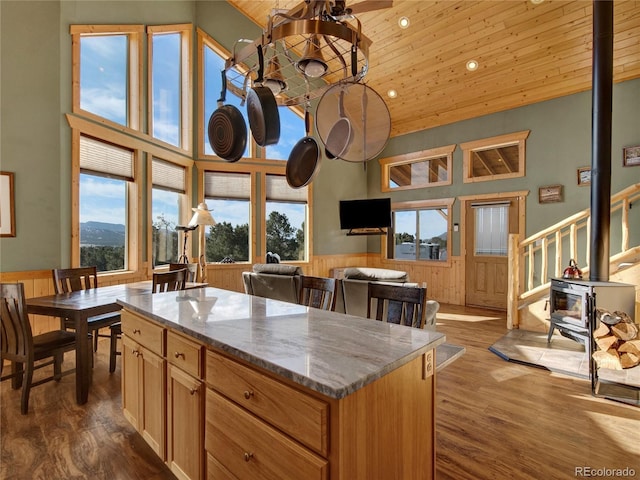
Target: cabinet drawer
x: 143, y: 331
x: 303, y: 417
x: 215, y: 471
x: 184, y: 354
x: 249, y: 448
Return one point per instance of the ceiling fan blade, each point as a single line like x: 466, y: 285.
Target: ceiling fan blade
x: 369, y: 5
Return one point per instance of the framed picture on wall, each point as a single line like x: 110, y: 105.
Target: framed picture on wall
x: 584, y: 176
x: 550, y: 194
x: 631, y: 156
x: 7, y: 210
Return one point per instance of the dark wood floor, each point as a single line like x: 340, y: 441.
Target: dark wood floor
x: 495, y: 420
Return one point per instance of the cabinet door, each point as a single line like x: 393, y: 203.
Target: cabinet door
x: 185, y: 424
x: 131, y: 381
x: 153, y: 400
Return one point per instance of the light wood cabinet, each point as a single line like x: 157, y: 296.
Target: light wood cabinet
x: 185, y: 408
x: 143, y: 380
x: 212, y: 415
x: 260, y: 426
x: 163, y: 393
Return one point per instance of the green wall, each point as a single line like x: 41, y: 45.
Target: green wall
x: 35, y: 94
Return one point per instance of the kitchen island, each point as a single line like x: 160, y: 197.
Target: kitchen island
x: 232, y: 386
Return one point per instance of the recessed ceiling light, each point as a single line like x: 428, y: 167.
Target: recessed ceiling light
x: 536, y: 2
x: 403, y: 22
x: 472, y: 65
x: 391, y: 93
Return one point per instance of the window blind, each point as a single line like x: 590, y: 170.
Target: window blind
x: 225, y: 185
x: 279, y: 190
x: 105, y: 159
x: 168, y: 176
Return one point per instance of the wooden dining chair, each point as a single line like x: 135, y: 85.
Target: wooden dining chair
x: 23, y: 349
x: 169, y: 281
x: 318, y: 292
x: 192, y: 270
x: 66, y: 280
x: 398, y: 304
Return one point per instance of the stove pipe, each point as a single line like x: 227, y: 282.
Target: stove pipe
x: 602, y: 86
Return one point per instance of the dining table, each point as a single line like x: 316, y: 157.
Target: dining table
x: 80, y: 306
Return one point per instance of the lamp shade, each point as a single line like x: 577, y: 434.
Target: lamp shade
x: 202, y: 216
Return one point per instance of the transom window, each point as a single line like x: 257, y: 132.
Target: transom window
x: 494, y: 158
x: 427, y: 168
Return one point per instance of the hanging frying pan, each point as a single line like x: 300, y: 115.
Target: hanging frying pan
x: 227, y: 130
x: 304, y: 159
x: 367, y: 113
x: 262, y: 110
x: 340, y: 136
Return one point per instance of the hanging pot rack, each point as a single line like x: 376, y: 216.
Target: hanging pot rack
x: 313, y: 25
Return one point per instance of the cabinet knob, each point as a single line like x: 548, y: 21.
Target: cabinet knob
x: 192, y: 391
x: 247, y: 456
x: 178, y: 355
x: 136, y: 330
x: 135, y: 352
x: 248, y: 394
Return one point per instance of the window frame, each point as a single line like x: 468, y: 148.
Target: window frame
x: 134, y: 34
x: 257, y: 225
x: 388, y: 240
x: 185, y: 206
x: 307, y: 222
x: 186, y: 76
x: 509, y: 139
x: 416, y: 157
x: 134, y: 192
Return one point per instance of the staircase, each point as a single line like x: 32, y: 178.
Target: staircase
x: 544, y: 255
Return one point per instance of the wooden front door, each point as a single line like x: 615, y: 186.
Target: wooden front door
x: 488, y: 224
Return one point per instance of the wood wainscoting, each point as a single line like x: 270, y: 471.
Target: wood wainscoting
x: 444, y: 283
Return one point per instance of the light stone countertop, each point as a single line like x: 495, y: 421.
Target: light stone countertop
x: 332, y: 353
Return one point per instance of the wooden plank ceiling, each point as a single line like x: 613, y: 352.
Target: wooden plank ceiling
x: 527, y: 52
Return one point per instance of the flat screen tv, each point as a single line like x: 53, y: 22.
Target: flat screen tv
x: 367, y: 213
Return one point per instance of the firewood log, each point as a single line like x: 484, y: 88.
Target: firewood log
x: 602, y: 330
x: 605, y: 343
x: 629, y: 360
x: 624, y: 330
x: 609, y: 359
x: 632, y: 346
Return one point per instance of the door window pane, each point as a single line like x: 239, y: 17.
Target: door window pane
x: 492, y: 229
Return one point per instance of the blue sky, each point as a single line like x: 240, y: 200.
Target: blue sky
x: 104, y: 92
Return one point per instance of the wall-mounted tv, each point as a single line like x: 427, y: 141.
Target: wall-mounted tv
x: 370, y: 213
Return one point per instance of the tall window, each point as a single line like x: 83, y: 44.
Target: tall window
x: 106, y: 172
x: 167, y: 203
x: 170, y: 84
x: 106, y: 70
x: 211, y: 74
x: 420, y: 231
x: 286, y: 219
x: 228, y: 195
